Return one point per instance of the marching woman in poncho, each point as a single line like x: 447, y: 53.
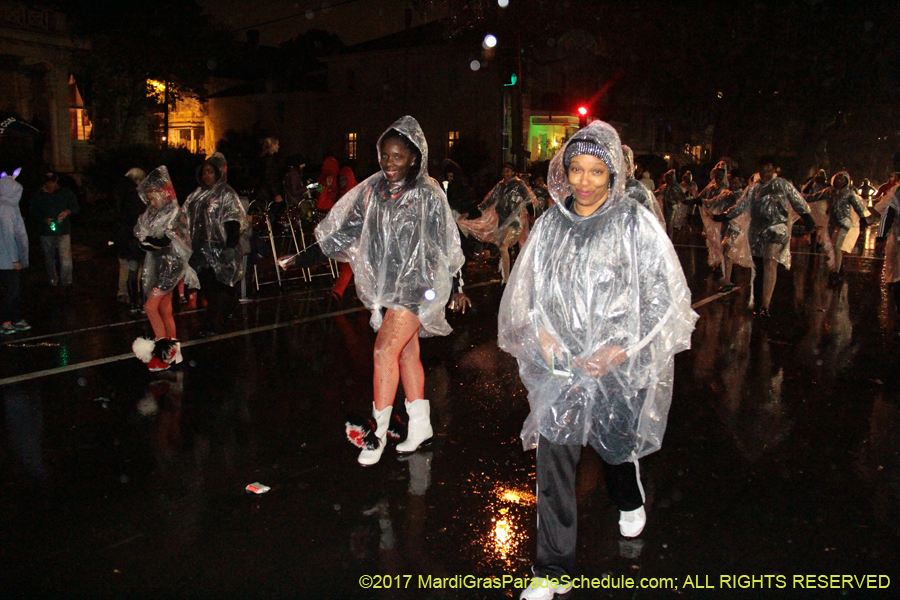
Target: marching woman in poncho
x: 397, y: 232
x: 216, y: 218
x: 162, y: 231
x: 504, y: 216
x: 595, y: 310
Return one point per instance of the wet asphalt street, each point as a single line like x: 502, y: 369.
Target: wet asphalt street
x: 781, y: 459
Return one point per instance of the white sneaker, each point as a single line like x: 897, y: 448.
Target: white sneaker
x: 540, y: 589
x: 631, y: 523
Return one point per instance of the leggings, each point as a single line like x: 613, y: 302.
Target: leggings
x: 397, y: 359
x: 159, y: 312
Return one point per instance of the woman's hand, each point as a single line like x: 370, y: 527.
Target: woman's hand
x: 549, y: 346
x: 601, y: 362
x: 459, y: 302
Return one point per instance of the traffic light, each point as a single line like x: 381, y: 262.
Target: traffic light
x: 582, y: 117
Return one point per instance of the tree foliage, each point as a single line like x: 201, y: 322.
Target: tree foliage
x: 136, y: 40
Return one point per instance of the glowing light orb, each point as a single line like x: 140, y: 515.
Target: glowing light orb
x: 475, y: 65
x: 429, y: 295
x: 490, y: 41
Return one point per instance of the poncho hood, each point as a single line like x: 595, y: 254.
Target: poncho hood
x: 411, y: 129
x: 218, y: 160
x: 158, y: 179
x: 846, y: 176
x: 605, y: 136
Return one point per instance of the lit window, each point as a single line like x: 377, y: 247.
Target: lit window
x: 79, y: 124
x: 351, y: 146
x: 452, y: 138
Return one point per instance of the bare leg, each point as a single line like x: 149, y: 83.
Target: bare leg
x: 504, y: 262
x: 839, y: 238
x: 165, y: 311
x: 726, y: 269
x: 770, y: 275
x: 398, y: 328
x: 412, y: 374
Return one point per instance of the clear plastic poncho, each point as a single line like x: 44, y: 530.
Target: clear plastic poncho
x: 637, y: 191
x: 400, y: 239
x: 892, y: 244
x: 504, y: 214
x: 729, y: 238
x: 672, y: 198
x: 208, y: 209
x: 611, y: 279
x: 164, y: 268
x: 773, y: 208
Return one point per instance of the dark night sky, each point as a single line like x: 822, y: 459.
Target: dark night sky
x: 354, y: 20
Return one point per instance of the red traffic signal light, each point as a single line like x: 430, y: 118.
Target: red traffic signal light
x: 582, y: 116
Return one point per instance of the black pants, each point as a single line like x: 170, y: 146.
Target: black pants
x: 12, y: 283
x: 221, y: 300
x: 557, y: 507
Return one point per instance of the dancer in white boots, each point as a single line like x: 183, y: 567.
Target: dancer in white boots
x: 397, y: 232
x: 596, y: 308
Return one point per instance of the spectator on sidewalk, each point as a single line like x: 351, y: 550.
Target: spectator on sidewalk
x: 52, y: 206
x: 13, y: 256
x: 129, y: 207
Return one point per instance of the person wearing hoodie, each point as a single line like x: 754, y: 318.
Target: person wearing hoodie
x: 162, y: 231
x: 840, y: 198
x: 596, y: 308
x: 328, y: 180
x: 396, y: 230
x: 216, y: 220
x: 13, y: 255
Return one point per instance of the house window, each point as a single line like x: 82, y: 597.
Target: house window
x: 351, y: 146
x: 452, y: 138
x: 79, y: 124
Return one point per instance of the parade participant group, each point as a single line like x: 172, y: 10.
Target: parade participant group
x: 594, y: 308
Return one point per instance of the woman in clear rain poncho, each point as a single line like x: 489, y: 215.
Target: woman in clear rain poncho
x: 396, y: 230
x: 673, y: 200
x: 595, y: 310
x: 504, y: 216
x: 888, y: 243
x: 637, y: 191
x: 840, y: 197
x: 770, y: 202
x: 216, y: 219
x: 727, y: 243
x: 162, y: 231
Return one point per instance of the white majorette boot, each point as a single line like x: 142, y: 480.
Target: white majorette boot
x: 373, y: 441
x: 420, y: 430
